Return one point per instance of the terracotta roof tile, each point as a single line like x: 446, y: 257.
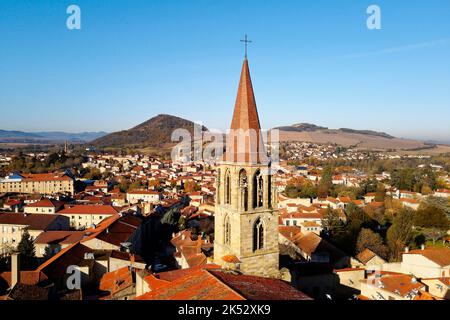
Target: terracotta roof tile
x: 33, y: 221
x: 245, y: 124
x: 59, y: 237
x: 400, y: 284
x: 365, y: 255
x: 201, y: 284
x: 259, y: 288
x: 46, y: 203
x: 89, y: 209
x: 116, y: 281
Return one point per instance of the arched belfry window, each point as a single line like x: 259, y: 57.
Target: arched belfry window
x: 269, y: 190
x: 227, y: 230
x: 258, y: 187
x: 243, y: 190
x: 227, y: 187
x: 258, y: 235
x: 218, y: 187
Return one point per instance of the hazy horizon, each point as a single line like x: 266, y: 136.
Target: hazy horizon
x: 224, y: 130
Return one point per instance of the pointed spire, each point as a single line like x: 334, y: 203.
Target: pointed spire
x: 245, y: 114
x: 245, y: 123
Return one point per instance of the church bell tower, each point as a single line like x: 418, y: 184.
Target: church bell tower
x: 246, y: 218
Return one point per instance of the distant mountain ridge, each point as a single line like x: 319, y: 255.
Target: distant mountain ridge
x: 364, y: 139
x: 308, y: 127
x: 300, y: 127
x: 82, y: 136
x: 12, y: 136
x: 155, y: 132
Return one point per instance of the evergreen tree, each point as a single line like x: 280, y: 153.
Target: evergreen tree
x: 27, y: 251
x: 400, y: 233
x: 326, y: 182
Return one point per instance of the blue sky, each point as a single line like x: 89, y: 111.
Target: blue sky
x: 311, y: 61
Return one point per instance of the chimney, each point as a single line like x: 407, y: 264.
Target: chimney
x: 406, y: 249
x: 15, y: 269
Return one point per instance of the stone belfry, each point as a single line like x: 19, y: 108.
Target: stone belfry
x: 246, y: 218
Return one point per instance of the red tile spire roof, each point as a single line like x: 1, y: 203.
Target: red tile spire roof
x: 245, y: 126
x: 245, y: 113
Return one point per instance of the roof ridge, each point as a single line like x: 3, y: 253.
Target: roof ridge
x: 223, y: 283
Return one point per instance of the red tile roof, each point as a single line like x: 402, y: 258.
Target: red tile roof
x: 45, y: 177
x: 190, y: 249
x: 289, y: 232
x: 246, y: 120
x: 179, y: 273
x: 26, y: 277
x: 59, y: 237
x: 231, y: 259
x: 366, y: 255
x: 13, y: 202
x: 259, y: 288
x: 46, y: 203
x: 89, y: 209
x: 56, y: 266
x: 311, y: 243
x: 143, y: 192
x: 116, y: 281
x: 33, y: 221
x: 202, y: 284
x: 400, y: 284
x: 196, y: 285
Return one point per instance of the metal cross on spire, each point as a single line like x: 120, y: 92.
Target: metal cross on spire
x: 246, y: 42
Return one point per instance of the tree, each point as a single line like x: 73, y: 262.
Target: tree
x: 27, y: 251
x: 369, y: 185
x: 182, y: 223
x: 356, y: 216
x: 171, y: 217
x: 191, y: 186
x: 135, y: 185
x: 93, y: 174
x: 434, y: 234
x: 308, y: 190
x: 326, y: 182
x: 154, y: 184
x: 367, y: 239
x: 291, y: 191
x: 439, y: 202
x: 124, y: 185
x: 331, y: 222
x: 380, y: 193
x: 400, y: 233
x: 426, y: 190
x: 431, y: 216
x: 403, y: 179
